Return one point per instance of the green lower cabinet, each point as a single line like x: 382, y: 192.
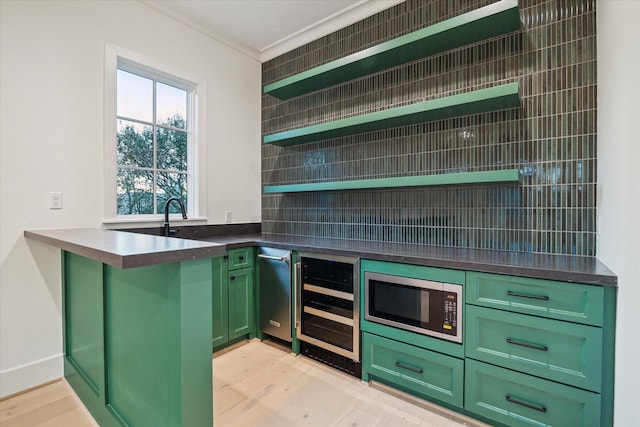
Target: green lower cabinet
x: 413, y: 369
x: 520, y: 400
x: 560, y: 351
x: 136, y: 351
x: 241, y: 303
x: 233, y: 298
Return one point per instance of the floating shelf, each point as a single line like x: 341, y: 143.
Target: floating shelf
x: 479, y: 101
x: 493, y: 20
x: 482, y: 177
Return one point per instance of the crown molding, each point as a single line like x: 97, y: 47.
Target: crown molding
x: 220, y: 38
x: 357, y: 12
x: 350, y: 15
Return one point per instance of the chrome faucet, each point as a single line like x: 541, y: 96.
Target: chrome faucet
x: 167, y: 229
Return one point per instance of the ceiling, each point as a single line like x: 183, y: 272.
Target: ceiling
x: 265, y: 29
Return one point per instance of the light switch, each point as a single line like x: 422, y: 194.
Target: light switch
x: 55, y: 200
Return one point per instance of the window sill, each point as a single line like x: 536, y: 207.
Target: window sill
x: 151, y: 221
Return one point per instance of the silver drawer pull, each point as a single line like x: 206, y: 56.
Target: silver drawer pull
x: 519, y: 295
x: 348, y: 321
x: 528, y: 345
x: 409, y: 368
x: 538, y: 408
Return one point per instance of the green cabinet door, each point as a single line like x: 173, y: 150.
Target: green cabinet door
x: 220, y: 302
x: 241, y: 305
x: 233, y: 298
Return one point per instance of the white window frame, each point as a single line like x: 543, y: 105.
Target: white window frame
x: 117, y: 57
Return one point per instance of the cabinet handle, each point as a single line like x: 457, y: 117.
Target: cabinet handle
x: 409, y: 368
x: 538, y: 408
x: 516, y: 294
x: 525, y: 344
x: 275, y: 258
x: 241, y: 258
x: 297, y: 293
x: 232, y: 277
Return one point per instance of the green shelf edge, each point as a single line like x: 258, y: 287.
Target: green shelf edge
x: 483, y: 23
x: 482, y: 177
x: 479, y: 101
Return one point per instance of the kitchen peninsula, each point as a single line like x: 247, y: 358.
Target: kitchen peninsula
x: 137, y: 325
x: 138, y: 312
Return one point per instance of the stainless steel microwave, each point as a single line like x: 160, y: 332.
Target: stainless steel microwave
x: 416, y: 305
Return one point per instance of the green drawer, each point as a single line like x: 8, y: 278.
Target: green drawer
x: 413, y: 369
x: 520, y: 400
x: 240, y: 258
x: 557, y: 300
x: 560, y: 351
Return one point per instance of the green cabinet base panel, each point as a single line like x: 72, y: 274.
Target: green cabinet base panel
x: 495, y: 98
x: 457, y: 178
x: 483, y: 23
x: 137, y: 341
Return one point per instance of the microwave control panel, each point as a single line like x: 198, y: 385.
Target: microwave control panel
x: 450, y: 315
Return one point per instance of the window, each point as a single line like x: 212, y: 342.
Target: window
x: 155, y: 141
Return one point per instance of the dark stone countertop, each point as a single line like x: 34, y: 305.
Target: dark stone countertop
x: 127, y: 249
x: 588, y: 270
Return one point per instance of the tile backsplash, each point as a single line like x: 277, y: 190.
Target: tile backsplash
x: 550, y: 139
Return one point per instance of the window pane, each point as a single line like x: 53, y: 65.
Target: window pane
x: 135, y: 192
x: 171, y: 185
x: 171, y: 104
x: 172, y: 149
x: 135, y: 144
x: 135, y: 97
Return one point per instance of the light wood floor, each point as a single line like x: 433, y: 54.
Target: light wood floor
x: 257, y: 384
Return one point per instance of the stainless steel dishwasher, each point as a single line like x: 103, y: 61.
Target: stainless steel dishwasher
x: 275, y: 292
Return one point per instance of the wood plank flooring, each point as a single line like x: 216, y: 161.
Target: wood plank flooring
x: 52, y: 405
x: 257, y: 384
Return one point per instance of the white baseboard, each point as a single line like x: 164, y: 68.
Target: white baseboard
x: 29, y: 375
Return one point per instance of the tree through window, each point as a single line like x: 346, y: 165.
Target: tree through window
x: 153, y: 142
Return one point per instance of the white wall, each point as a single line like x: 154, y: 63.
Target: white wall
x: 618, y: 193
x: 52, y: 56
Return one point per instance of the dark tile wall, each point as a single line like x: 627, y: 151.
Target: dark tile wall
x: 551, y: 139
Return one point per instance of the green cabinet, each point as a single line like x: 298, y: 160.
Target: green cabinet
x: 535, y: 352
x: 136, y: 341
x: 539, y: 352
x: 234, y: 297
x: 418, y: 364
